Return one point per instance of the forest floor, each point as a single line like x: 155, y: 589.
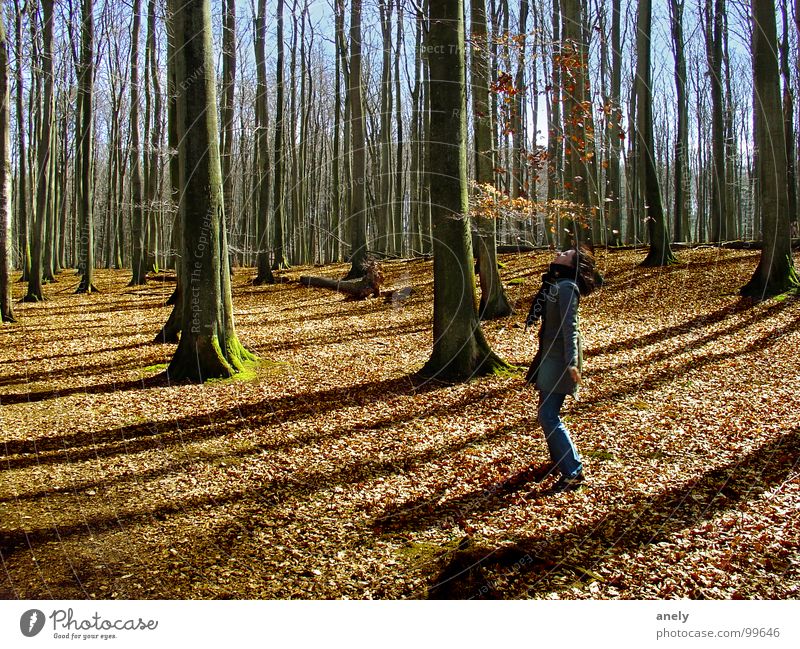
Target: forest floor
x: 332, y: 471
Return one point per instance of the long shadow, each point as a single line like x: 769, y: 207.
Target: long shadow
x: 467, y: 574
x: 158, y: 381
x: 88, y: 352
x: 113, y: 307
x: 188, y: 428
x: 181, y: 437
x: 620, y: 280
x: 665, y: 375
x: 336, y: 338
x: 685, y: 327
x: 700, y: 342
x: 94, y: 370
x: 273, y: 492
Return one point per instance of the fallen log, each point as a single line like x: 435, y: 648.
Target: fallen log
x: 355, y: 289
x: 358, y: 289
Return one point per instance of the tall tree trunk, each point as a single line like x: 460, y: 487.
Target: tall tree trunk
x: 278, y: 220
x: 227, y: 112
x: 615, y: 134
x: 460, y: 350
x: 138, y: 267
x: 397, y: 212
x: 85, y: 139
x: 264, y: 270
x: 22, y: 163
x: 385, y: 235
x: 494, y: 303
x: 358, y: 200
x: 578, y: 135
x: 172, y: 327
x: 788, y: 115
x: 518, y: 102
x: 776, y: 272
x: 660, y: 253
x: 555, y: 128
x: 417, y: 166
x: 719, y: 193
x: 208, y: 347
x: 153, y: 166
x: 43, y: 154
x: 6, y: 309
x: 682, y: 178
x: 336, y: 173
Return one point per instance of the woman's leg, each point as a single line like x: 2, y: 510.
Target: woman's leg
x: 562, y: 450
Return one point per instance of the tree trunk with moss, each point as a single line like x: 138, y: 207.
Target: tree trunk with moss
x: 775, y: 273
x: 494, y: 303
x: 6, y: 310
x: 208, y: 346
x: 460, y: 350
x: 660, y: 253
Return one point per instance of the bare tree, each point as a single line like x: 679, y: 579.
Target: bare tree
x: 208, y: 347
x: 660, y: 253
x: 494, y: 303
x: 6, y: 309
x: 460, y: 349
x: 43, y: 154
x: 775, y: 272
x: 358, y: 196
x: 84, y: 141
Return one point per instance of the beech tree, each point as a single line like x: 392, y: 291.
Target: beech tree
x: 208, y: 346
x: 460, y: 349
x: 358, y: 176
x: 494, y: 303
x: 85, y: 139
x: 138, y: 268
x: 6, y: 309
x: 43, y: 153
x: 660, y: 253
x: 775, y: 272
x: 261, y: 193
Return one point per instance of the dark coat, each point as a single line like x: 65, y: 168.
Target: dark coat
x: 559, y: 341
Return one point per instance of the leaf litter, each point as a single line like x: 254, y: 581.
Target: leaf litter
x: 335, y: 472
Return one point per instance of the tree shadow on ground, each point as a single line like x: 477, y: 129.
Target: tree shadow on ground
x: 179, y: 437
x: 270, y: 492
x: 124, y: 439
x: 88, y: 352
x: 698, y: 322
x: 664, y: 375
x: 533, y: 563
x: 342, y: 337
x: 23, y: 378
x: 148, y: 383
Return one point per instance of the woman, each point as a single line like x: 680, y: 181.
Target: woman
x: 556, y: 368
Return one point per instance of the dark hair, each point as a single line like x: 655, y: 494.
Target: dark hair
x: 585, y: 267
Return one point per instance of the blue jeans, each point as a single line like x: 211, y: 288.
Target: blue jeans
x: 562, y: 450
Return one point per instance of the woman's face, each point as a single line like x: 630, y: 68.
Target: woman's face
x: 565, y: 258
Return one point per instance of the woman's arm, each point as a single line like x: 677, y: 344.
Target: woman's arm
x: 568, y: 301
